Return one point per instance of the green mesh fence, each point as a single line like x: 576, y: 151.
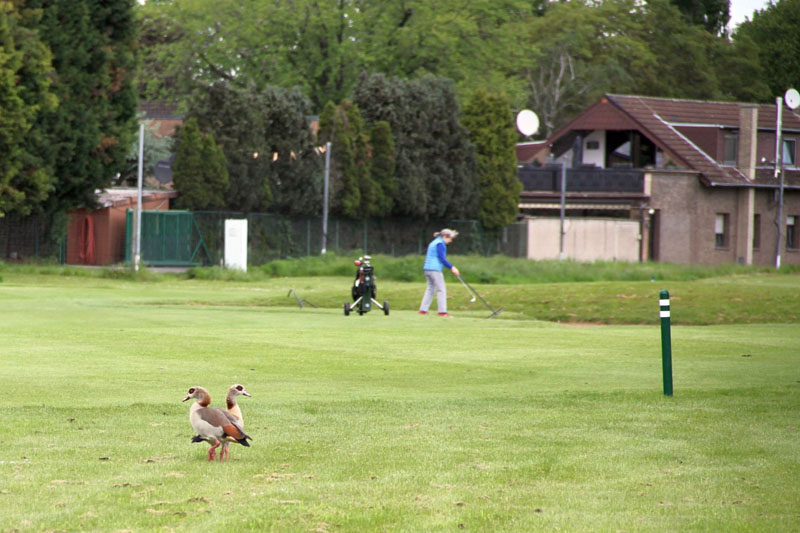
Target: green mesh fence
x: 168, y: 238
x: 273, y: 236
x: 198, y: 237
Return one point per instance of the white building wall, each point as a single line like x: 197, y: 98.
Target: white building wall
x: 595, y: 156
x: 585, y: 239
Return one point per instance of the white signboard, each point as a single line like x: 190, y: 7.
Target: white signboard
x: 236, y: 244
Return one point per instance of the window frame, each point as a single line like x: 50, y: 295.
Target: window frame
x: 733, y: 139
x: 791, y: 141
x: 791, y: 235
x: 722, y: 240
x: 757, y: 231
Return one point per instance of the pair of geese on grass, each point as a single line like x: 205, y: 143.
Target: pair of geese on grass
x: 217, y: 426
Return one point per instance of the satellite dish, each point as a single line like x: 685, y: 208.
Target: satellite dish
x: 527, y: 122
x: 792, y: 98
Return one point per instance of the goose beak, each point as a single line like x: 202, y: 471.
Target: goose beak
x: 187, y: 398
x: 245, y: 393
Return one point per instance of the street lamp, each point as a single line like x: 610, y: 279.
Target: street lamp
x: 325, y: 197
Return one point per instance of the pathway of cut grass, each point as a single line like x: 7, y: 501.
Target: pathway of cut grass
x: 402, y: 423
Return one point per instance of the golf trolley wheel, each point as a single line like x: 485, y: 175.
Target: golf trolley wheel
x: 347, y: 309
x: 386, y: 308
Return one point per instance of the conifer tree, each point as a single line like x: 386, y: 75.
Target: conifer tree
x: 382, y: 165
x: 352, y: 187
x: 200, y: 172
x: 25, y: 80
x: 86, y: 139
x: 490, y: 122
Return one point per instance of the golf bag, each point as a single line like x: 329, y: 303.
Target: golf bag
x: 364, y: 289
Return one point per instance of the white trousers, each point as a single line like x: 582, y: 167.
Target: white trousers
x: 435, y: 285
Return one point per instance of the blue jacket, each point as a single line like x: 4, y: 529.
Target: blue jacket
x: 436, y: 258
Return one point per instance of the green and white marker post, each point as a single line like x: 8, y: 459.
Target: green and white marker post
x: 666, y: 342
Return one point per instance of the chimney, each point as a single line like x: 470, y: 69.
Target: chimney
x: 748, y: 136
x: 746, y: 161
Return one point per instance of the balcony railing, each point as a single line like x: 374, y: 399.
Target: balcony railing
x: 583, y: 179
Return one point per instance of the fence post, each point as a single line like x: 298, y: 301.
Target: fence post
x: 666, y: 342
x: 365, y: 235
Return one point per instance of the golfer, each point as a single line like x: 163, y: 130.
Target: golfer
x: 435, y: 260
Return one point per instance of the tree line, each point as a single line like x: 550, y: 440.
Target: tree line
x: 417, y: 97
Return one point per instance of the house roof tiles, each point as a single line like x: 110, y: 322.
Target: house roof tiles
x: 660, y: 118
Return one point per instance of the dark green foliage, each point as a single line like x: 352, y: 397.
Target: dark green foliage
x: 268, y: 144
x: 86, y: 139
x: 383, y: 167
x: 350, y: 182
x: 713, y: 15
x: 435, y: 163
x: 25, y: 80
x: 775, y: 30
x: 490, y: 122
x: 164, y: 63
x: 199, y: 171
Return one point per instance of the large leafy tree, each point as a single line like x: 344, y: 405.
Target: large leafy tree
x: 322, y: 46
x: 582, y: 51
x: 585, y: 50
x: 86, y: 139
x: 490, y: 122
x: 199, y: 171
x: 25, y: 80
x: 268, y: 144
x: 775, y: 31
x: 310, y: 44
x: 713, y: 15
x: 474, y: 44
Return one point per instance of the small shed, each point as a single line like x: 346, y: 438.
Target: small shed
x: 97, y: 237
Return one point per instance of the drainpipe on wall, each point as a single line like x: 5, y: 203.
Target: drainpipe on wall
x: 779, y: 175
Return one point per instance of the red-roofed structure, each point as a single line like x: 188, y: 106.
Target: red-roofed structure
x: 97, y: 237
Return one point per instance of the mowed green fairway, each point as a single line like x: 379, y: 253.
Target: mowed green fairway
x: 375, y: 423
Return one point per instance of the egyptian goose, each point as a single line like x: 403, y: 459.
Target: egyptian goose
x: 233, y: 408
x: 212, y: 424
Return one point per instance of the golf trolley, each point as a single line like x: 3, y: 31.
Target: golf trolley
x: 364, y: 289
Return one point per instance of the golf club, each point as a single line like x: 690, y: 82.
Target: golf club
x: 494, y: 311
x: 472, y: 299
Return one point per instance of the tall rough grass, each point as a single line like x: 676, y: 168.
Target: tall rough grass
x: 487, y: 270
x: 474, y: 269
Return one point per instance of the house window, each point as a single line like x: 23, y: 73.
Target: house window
x: 721, y: 230
x: 756, y: 232
x: 790, y: 152
x: 791, y: 233
x: 731, y: 149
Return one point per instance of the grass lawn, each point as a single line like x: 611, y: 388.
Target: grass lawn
x: 399, y: 423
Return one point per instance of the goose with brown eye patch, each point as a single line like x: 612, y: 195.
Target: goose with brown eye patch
x: 233, y: 408
x: 213, y: 425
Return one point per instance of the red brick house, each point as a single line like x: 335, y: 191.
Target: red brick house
x: 161, y: 117
x: 696, y: 178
